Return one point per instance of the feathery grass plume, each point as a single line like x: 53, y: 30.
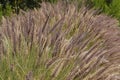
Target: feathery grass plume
x: 58, y: 42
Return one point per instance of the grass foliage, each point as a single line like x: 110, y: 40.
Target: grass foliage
x: 58, y: 42
x: 111, y: 7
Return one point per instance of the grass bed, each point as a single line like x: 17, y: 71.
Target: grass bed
x: 58, y: 42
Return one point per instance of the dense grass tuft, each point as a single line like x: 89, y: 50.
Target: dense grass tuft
x: 58, y: 42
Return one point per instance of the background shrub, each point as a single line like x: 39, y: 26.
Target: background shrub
x: 110, y: 7
x: 13, y: 6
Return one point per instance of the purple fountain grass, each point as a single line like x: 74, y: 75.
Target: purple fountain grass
x: 83, y: 41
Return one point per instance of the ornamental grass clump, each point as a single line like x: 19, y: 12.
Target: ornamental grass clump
x: 59, y: 42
